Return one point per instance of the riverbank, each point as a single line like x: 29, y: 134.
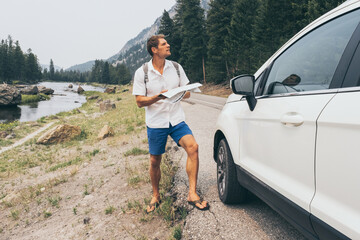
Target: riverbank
x: 86, y: 188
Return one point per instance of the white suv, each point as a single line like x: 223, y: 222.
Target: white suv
x: 291, y: 133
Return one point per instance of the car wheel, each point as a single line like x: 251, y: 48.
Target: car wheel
x: 230, y: 191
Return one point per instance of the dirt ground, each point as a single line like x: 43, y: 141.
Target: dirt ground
x: 101, y: 195
x: 93, y: 200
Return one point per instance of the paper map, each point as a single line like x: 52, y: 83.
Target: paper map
x: 176, y: 94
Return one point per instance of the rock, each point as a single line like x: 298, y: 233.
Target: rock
x: 80, y: 90
x: 107, y: 105
x: 59, y: 133
x: 86, y: 220
x: 105, y: 132
x: 125, y: 90
x: 3, y: 134
x: 30, y: 90
x: 10, y: 136
x: 9, y: 95
x: 45, y: 90
x: 93, y: 97
x: 70, y: 86
x: 110, y: 90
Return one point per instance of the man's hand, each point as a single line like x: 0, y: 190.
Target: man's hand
x: 161, y: 96
x: 143, y: 101
x: 187, y: 95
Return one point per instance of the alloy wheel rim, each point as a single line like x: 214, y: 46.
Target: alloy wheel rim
x: 221, y: 170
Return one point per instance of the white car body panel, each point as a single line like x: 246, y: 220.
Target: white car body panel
x: 337, y: 199
x: 285, y: 161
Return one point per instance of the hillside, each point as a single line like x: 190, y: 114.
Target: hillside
x: 134, y: 53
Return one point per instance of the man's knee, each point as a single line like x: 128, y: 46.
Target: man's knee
x: 193, y: 147
x: 155, y: 161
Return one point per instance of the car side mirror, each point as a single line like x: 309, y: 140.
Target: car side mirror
x: 244, y: 85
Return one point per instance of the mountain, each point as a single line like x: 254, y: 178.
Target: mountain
x: 82, y: 67
x: 134, y: 53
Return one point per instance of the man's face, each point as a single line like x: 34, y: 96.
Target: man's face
x: 163, y: 49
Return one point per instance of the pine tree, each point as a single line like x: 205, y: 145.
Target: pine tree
x: 168, y: 29
x: 19, y: 62
x: 105, y: 74
x: 218, y: 22
x: 272, y: 29
x: 52, y: 69
x: 32, y: 68
x: 193, y: 47
x: 316, y: 8
x: 239, y: 41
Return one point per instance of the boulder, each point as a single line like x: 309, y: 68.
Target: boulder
x: 105, y: 132
x: 59, y: 134
x: 70, y: 86
x: 80, y: 90
x: 107, y: 105
x: 30, y: 90
x: 45, y: 90
x: 9, y: 95
x: 110, y: 90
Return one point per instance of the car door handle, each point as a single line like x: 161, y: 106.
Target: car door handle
x: 292, y: 119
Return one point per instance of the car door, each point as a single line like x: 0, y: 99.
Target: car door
x: 277, y: 139
x: 337, y: 198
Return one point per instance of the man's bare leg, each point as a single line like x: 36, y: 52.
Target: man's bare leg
x: 188, y: 142
x: 155, y: 176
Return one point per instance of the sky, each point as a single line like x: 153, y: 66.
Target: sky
x: 72, y: 32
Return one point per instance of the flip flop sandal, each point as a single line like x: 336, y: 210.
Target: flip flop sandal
x: 199, y: 201
x: 151, y: 205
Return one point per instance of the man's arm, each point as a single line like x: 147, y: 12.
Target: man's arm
x: 143, y: 101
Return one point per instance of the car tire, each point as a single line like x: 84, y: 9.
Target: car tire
x: 229, y: 189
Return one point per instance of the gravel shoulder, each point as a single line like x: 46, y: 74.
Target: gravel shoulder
x: 254, y: 220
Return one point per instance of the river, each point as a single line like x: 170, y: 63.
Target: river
x: 64, y: 99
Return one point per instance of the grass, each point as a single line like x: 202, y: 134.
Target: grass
x: 9, y: 126
x: 65, y: 164
x: 54, y: 201
x: 15, y: 214
x: 34, y: 98
x: 177, y: 232
x: 109, y: 210
x: 47, y: 214
x: 127, y: 120
x: 136, y: 151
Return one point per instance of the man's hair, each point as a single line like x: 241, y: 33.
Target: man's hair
x: 153, y: 42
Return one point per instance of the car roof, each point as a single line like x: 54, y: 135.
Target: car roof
x: 345, y: 7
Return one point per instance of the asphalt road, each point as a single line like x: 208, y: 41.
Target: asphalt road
x: 253, y: 220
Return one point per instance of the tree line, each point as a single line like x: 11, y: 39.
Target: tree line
x: 101, y: 72
x: 17, y: 65
x: 236, y: 36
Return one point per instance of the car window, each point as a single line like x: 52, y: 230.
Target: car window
x: 310, y: 63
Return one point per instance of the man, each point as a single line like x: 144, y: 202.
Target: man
x: 164, y: 118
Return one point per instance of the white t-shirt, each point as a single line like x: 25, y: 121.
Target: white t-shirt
x: 161, y: 113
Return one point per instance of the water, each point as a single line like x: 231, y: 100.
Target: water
x: 64, y: 99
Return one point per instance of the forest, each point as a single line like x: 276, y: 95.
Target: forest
x: 19, y: 67
x: 235, y: 36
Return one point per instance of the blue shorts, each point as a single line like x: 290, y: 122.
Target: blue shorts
x: 157, y: 137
